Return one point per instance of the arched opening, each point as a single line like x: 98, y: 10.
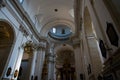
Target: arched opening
x: 6, y: 42
x: 65, y: 63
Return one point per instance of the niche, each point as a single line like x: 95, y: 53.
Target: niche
x: 112, y: 35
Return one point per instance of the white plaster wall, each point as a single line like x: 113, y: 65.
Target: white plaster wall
x: 33, y: 11
x: 87, y: 59
x: 104, y: 17
x: 94, y: 20
x: 99, y: 21
x: 92, y: 55
x: 99, y: 18
x: 95, y: 57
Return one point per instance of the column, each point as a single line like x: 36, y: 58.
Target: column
x: 33, y: 65
x: 51, y: 66
x: 87, y: 58
x: 28, y: 48
x: 39, y: 62
x: 78, y: 61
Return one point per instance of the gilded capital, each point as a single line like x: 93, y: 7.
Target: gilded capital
x: 28, y: 47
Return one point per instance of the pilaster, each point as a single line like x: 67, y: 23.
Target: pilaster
x: 51, y: 63
x: 40, y: 57
x: 29, y: 49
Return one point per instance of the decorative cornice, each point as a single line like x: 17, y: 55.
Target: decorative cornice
x: 40, y: 46
x: 26, y: 19
x: 34, y: 46
x: 23, y: 30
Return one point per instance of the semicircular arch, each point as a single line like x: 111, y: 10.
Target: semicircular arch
x: 7, y: 38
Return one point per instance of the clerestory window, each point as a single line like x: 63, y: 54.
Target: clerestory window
x: 54, y: 30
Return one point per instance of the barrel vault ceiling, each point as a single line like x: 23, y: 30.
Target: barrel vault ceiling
x: 51, y: 11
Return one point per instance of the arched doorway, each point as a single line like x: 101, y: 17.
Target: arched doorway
x: 6, y: 43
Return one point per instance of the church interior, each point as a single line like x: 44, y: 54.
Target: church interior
x: 59, y: 39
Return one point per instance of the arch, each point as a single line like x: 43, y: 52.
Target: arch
x: 7, y: 37
x: 63, y: 47
x: 63, y: 52
x: 45, y: 29
x: 65, y: 62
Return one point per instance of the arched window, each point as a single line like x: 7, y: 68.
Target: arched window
x: 54, y: 30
